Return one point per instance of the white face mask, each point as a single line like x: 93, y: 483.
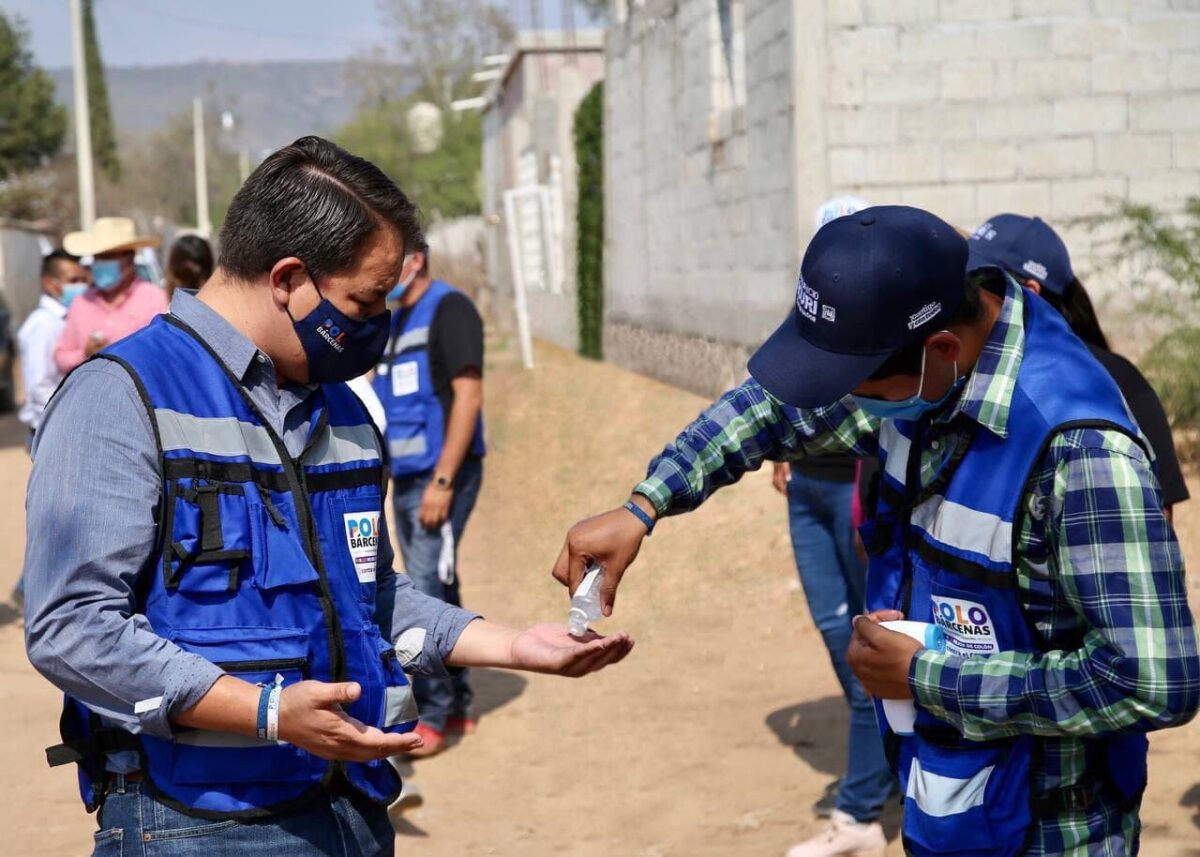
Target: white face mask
x: 408, y: 272
x: 406, y: 279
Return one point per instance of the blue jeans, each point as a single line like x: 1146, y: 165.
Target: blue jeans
x: 833, y: 577
x: 437, y: 698
x: 133, y: 823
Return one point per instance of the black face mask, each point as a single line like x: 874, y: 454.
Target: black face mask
x: 338, y: 347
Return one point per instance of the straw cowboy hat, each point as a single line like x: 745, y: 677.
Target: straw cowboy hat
x: 109, y: 235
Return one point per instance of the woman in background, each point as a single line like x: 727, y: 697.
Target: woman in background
x: 1034, y: 254
x: 189, y: 265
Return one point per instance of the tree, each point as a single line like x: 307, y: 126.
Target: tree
x: 445, y: 40
x: 433, y: 48
x: 163, y: 185
x: 32, y: 125
x: 444, y: 182
x: 104, y: 140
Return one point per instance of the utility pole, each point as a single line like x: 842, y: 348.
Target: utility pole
x: 203, y: 225
x: 83, y: 122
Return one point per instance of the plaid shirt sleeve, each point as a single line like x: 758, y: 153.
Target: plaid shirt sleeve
x: 737, y: 433
x: 1117, y: 577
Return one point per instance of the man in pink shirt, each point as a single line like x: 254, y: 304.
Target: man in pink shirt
x: 119, y: 303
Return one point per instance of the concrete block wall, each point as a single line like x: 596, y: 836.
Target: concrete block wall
x: 1047, y: 107
x: 700, y: 236
x: 964, y: 107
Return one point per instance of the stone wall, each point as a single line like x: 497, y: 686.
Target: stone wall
x: 964, y: 107
x: 974, y: 107
x: 700, y: 242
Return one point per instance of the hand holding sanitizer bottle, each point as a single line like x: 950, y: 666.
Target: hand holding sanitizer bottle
x: 585, y: 603
x: 902, y: 713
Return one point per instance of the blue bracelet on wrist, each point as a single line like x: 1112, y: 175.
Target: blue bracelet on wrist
x: 263, y: 699
x: 640, y: 515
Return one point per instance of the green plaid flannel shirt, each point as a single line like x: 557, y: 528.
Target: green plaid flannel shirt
x: 1100, y: 576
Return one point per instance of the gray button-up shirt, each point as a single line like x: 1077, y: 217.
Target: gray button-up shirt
x: 91, y: 530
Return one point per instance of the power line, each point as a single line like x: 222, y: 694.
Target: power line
x: 307, y: 38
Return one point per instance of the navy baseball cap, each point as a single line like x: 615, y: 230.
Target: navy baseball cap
x: 1026, y: 247
x: 870, y: 284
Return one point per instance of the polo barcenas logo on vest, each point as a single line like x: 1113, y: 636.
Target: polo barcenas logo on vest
x: 362, y: 537
x: 967, y: 625
x: 332, y: 334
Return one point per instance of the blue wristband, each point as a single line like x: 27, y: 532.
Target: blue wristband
x: 640, y: 515
x: 262, y: 709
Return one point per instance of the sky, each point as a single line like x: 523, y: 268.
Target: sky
x: 156, y: 32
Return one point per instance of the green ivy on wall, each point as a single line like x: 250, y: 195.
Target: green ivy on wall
x: 589, y: 251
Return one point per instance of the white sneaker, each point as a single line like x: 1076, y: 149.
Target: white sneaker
x: 844, y: 837
x: 410, y: 797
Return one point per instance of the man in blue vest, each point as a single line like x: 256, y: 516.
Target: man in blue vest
x: 208, y: 573
x: 1019, y: 514
x: 430, y: 382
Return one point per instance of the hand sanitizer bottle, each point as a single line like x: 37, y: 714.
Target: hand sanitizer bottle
x: 585, y: 603
x: 901, y: 714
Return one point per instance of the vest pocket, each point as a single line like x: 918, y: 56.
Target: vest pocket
x: 279, y: 557
x: 386, y: 702
x: 209, y: 537
x: 968, y: 799
x: 256, y: 655
x: 944, y: 800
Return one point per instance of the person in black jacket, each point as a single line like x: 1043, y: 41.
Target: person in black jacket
x: 1032, y: 252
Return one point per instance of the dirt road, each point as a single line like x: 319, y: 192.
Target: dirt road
x: 714, y: 738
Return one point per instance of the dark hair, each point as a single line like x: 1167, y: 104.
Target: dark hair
x: 190, y: 264
x: 1076, y: 307
x: 423, y: 248
x: 907, y: 361
x: 52, y: 260
x: 315, y: 201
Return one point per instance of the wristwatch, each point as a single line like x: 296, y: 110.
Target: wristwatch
x: 442, y: 481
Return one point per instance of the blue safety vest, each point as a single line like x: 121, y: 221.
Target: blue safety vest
x: 945, y: 554
x: 266, y: 568
x: 416, y: 426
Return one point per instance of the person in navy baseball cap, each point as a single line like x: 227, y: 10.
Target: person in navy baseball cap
x: 871, y: 284
x: 1025, y: 247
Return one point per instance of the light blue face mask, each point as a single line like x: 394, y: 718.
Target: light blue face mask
x: 71, y: 291
x: 912, y: 408
x: 106, y: 274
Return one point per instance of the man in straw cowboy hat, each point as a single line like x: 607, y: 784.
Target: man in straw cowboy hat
x: 120, y: 303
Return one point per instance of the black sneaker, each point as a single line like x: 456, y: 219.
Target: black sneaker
x: 824, y: 807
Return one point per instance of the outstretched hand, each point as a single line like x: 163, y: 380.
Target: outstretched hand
x: 611, y: 540
x: 550, y: 648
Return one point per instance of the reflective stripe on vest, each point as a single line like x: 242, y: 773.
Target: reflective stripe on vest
x: 218, y: 436
x: 957, y: 526
x: 409, y: 339
x: 940, y: 796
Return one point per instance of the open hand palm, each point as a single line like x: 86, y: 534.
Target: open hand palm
x: 550, y: 648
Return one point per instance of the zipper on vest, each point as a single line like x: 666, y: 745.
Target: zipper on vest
x: 337, y: 650
x: 265, y: 665
x: 312, y: 545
